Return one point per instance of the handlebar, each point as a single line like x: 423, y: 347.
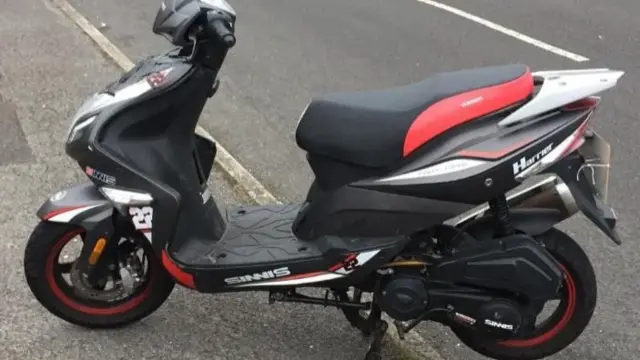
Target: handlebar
x: 219, y: 29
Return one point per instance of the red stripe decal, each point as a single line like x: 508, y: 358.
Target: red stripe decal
x: 492, y: 154
x: 59, y: 211
x: 336, y: 267
x: 182, y: 277
x: 340, y: 265
x: 461, y: 108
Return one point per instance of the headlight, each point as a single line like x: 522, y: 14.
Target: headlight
x: 122, y: 199
x: 80, y: 121
x: 101, y: 100
x: 77, y: 126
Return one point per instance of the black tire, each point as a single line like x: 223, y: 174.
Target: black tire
x: 43, y: 247
x: 580, y: 298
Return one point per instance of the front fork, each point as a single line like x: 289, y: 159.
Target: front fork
x: 100, y: 250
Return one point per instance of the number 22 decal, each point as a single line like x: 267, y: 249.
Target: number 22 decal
x: 142, y: 219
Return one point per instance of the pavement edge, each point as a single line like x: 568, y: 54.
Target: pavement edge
x: 412, y: 347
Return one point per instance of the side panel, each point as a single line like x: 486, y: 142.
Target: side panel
x: 421, y: 195
x: 354, y: 212
x: 484, y: 169
x: 335, y: 272
x: 332, y: 174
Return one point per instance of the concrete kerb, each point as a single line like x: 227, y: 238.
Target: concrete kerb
x: 413, y: 347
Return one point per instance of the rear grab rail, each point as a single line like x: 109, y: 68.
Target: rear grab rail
x: 561, y: 88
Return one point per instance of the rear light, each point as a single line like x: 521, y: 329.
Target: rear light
x: 576, y: 139
x: 567, y: 146
x: 583, y: 104
x: 587, y: 103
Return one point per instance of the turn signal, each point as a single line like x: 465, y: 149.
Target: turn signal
x: 97, y: 251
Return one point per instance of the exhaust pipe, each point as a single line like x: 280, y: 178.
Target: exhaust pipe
x: 549, y: 193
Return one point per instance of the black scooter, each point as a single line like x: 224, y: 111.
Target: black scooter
x: 408, y: 203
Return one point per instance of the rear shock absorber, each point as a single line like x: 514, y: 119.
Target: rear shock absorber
x: 500, y: 209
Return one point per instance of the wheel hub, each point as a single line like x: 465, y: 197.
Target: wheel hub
x: 125, y: 279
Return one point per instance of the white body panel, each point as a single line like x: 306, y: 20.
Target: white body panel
x: 563, y: 87
x: 443, y: 168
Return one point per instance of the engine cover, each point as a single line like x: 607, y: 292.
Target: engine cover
x: 404, y: 297
x: 500, y: 318
x: 517, y: 264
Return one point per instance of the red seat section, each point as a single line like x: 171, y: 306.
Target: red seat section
x: 458, y: 109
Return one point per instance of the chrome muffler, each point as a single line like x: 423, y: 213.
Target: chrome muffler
x: 549, y: 193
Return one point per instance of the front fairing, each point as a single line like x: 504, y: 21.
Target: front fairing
x: 152, y: 74
x: 137, y: 135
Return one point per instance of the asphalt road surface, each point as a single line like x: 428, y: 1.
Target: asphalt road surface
x: 47, y: 69
x: 288, y: 51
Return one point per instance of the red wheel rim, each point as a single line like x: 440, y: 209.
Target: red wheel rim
x: 121, y: 308
x: 570, y: 308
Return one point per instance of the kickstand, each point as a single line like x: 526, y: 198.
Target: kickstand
x: 380, y: 329
x: 375, y: 350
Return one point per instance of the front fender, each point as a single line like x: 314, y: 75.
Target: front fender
x: 80, y: 204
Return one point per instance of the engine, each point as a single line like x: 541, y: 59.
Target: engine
x: 405, y: 297
x: 478, y: 287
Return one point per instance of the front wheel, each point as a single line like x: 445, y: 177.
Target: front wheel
x: 135, y: 287
x: 579, y: 294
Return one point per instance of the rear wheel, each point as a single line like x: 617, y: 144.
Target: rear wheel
x: 136, y: 286
x: 568, y: 321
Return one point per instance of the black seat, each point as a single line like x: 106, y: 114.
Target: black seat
x: 368, y: 128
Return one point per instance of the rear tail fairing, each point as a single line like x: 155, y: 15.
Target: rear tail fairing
x: 372, y: 208
x: 478, y: 160
x: 460, y: 169
x: 418, y: 197
x: 145, y: 143
x: 485, y: 166
x: 562, y: 87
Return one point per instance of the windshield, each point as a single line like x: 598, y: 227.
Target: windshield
x: 221, y: 4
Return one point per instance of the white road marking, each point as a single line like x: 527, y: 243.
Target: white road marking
x: 499, y: 28
x: 414, y: 346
